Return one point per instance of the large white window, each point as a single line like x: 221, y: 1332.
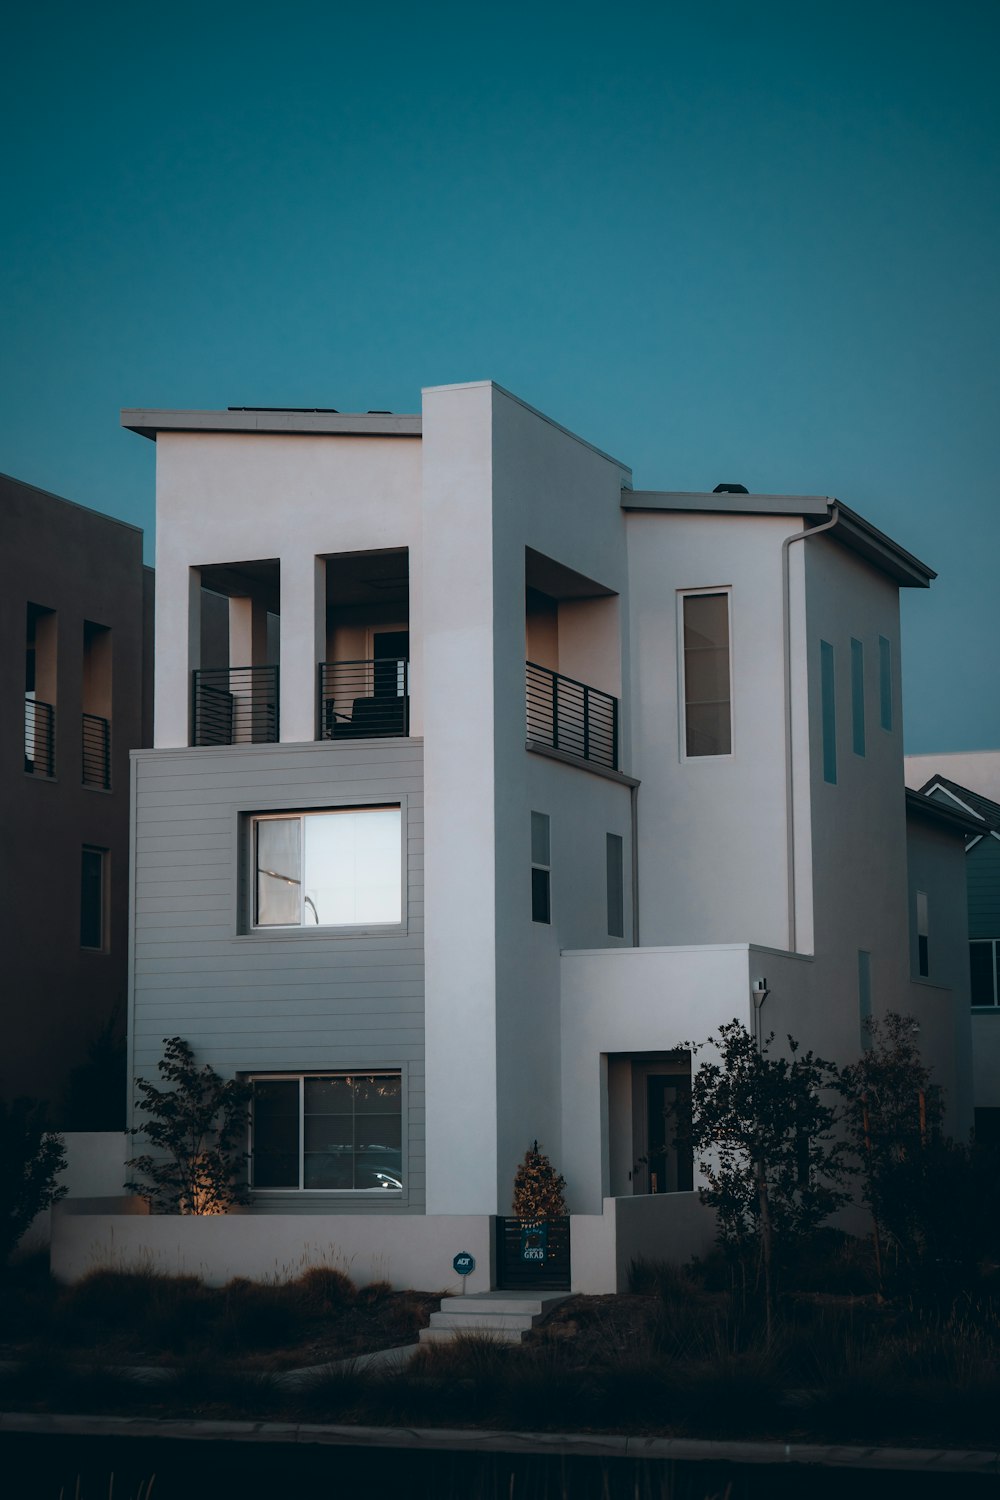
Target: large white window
x: 339, y: 1132
x: 707, y: 682
x: 337, y: 868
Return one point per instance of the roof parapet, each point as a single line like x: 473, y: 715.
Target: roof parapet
x: 148, y: 421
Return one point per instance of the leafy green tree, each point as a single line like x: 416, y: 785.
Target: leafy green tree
x: 197, y: 1128
x: 894, y: 1115
x: 538, y: 1188
x: 772, y: 1158
x: 31, y: 1158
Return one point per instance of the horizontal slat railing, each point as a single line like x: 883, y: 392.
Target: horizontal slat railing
x: 235, y: 706
x: 96, y: 751
x: 571, y: 716
x: 39, y: 737
x: 364, y: 699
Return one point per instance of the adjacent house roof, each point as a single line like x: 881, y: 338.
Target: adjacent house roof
x: 928, y: 810
x: 945, y: 793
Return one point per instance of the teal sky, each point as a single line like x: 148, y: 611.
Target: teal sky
x: 724, y: 242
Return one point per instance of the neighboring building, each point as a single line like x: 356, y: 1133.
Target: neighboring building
x: 74, y: 597
x: 981, y: 880
x: 515, y: 781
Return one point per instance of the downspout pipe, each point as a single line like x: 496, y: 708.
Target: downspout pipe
x: 786, y: 612
x: 634, y: 809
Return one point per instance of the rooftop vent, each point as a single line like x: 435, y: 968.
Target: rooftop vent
x: 379, y: 411
x: 730, y: 489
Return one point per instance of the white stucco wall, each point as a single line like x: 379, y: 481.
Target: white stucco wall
x: 239, y: 497
x: 712, y: 843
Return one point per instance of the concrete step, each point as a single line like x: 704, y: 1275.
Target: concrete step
x: 459, y: 1319
x: 537, y: 1303
x: 504, y: 1316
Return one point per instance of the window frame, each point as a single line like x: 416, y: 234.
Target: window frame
x: 828, y: 710
x: 354, y: 1195
x: 725, y: 590
x: 922, y: 928
x: 885, y: 715
x: 991, y: 1007
x: 250, y: 817
x: 104, y: 887
x: 614, y: 853
x: 858, y: 735
x: 543, y: 868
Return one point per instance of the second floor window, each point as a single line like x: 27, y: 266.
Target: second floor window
x: 707, y: 687
x: 983, y: 958
x: 338, y: 868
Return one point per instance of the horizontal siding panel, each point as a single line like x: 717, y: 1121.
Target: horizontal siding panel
x: 298, y: 1001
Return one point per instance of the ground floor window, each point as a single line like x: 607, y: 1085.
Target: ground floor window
x: 334, y: 1131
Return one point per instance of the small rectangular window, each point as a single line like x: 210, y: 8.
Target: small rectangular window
x: 864, y: 996
x: 884, y: 682
x: 331, y: 1131
x: 828, y: 695
x: 923, y: 936
x: 92, y: 902
x: 338, y: 868
x: 541, y: 905
x: 983, y: 971
x: 858, y: 697
x: 707, y: 687
x: 616, y: 886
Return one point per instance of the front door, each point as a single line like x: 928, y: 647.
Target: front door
x: 661, y: 1095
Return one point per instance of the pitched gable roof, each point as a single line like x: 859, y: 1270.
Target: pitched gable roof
x: 953, y: 794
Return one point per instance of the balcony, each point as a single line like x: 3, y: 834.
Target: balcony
x: 39, y: 737
x: 364, y: 699
x: 571, y: 716
x: 235, y: 706
x: 96, y: 752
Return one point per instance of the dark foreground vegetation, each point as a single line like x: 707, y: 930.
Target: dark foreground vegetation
x: 686, y: 1353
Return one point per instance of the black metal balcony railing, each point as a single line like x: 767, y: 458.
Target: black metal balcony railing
x: 364, y: 699
x: 235, y: 706
x: 96, y: 751
x: 570, y: 716
x: 39, y: 737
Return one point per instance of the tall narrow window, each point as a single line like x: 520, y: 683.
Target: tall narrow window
x: 616, y: 886
x: 541, y: 904
x: 96, y: 705
x: 858, y: 697
x: 864, y: 996
x: 983, y: 971
x: 884, y: 682
x: 923, y: 936
x: 40, y: 691
x: 828, y: 696
x: 92, y: 918
x: 707, y: 692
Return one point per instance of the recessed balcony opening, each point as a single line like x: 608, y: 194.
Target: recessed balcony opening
x: 235, y: 685
x: 573, y: 662
x: 649, y: 1103
x: 364, y: 681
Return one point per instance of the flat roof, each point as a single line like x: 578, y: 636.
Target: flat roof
x: 147, y: 421
x: 851, y: 531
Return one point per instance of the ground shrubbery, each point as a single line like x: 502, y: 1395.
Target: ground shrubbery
x: 686, y: 1352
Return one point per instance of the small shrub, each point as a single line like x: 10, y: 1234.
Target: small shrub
x: 323, y: 1290
x: 31, y: 1158
x: 373, y: 1294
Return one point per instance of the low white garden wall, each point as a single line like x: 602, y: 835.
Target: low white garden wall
x: 408, y: 1251
x: 95, y: 1168
x: 671, y: 1227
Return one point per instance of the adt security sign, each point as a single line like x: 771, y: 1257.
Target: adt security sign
x: 464, y: 1263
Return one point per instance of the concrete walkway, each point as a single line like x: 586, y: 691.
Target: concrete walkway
x: 473, y: 1440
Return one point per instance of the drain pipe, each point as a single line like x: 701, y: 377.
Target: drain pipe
x: 634, y: 807
x: 787, y: 637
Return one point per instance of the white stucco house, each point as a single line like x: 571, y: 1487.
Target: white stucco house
x: 499, y: 782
